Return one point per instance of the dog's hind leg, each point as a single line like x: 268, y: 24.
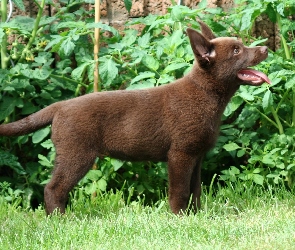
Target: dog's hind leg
x: 70, y: 167
x: 180, y: 170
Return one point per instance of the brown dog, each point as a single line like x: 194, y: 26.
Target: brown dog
x: 177, y: 123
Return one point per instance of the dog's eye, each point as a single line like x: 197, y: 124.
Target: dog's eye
x: 236, y: 51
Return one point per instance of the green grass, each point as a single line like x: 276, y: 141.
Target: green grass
x: 235, y: 217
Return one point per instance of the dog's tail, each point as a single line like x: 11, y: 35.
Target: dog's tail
x: 31, y: 123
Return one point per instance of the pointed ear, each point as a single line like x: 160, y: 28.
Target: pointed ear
x: 202, y: 48
x: 206, y: 31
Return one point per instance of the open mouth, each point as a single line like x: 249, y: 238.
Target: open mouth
x: 254, y: 76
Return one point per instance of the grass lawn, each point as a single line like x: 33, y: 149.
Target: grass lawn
x: 235, y: 217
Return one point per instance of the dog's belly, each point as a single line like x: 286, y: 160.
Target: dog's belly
x: 136, y: 152
x: 138, y: 156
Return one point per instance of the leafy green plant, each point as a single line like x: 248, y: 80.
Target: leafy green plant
x: 261, y: 138
x: 37, y: 72
x: 12, y: 196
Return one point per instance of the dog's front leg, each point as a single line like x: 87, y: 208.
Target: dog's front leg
x: 180, y: 169
x: 195, y: 185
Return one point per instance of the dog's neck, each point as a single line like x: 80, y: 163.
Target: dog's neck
x: 205, y: 81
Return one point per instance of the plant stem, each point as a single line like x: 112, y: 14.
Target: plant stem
x: 279, y: 124
x: 34, y: 32
x: 120, y: 62
x: 265, y: 116
x: 65, y: 78
x: 96, y: 84
x: 282, y: 99
x: 293, y: 115
x: 284, y: 42
x: 288, y: 56
x: 4, y: 58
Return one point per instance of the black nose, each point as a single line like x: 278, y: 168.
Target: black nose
x: 263, y: 49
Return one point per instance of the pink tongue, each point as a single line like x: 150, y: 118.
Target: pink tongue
x: 252, y: 75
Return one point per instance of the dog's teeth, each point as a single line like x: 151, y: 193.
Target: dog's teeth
x: 249, y: 76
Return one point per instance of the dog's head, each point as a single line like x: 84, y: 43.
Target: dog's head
x: 227, y: 59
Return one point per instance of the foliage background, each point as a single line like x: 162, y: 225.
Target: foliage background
x: 51, y: 59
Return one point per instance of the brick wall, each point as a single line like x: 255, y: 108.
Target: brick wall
x: 114, y: 13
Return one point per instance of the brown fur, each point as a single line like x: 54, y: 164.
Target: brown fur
x: 177, y: 123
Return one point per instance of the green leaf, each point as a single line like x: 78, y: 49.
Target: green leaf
x: 290, y: 166
x: 165, y: 78
x: 267, y: 100
x: 129, y: 38
x: 255, y: 43
x: 258, y: 179
x: 150, y: 62
x: 67, y: 46
x: 246, y: 19
x: 40, y: 135
x: 47, y: 20
x: 19, y: 4
x: 230, y: 174
x: 140, y: 189
x: 149, y: 187
x: 174, y: 66
x: 280, y: 9
x: 102, y: 26
x: 23, y: 24
x: 8, y: 159
x: 290, y: 83
x: 177, y: 14
x: 44, y: 161
x: 44, y: 58
x: 144, y: 40
x: 271, y: 13
x: 90, y: 188
x: 142, y: 85
x: 202, y: 4
x: 48, y: 144
x: 94, y: 175
x: 45, y: 95
x: 241, y: 152
x: 180, y: 52
x: 234, y: 170
x: 117, y: 164
x: 176, y: 39
x: 7, y: 106
x: 234, y: 104
x: 41, y: 73
x: 159, y: 51
x: 28, y: 108
x: 257, y: 170
x: 254, y: 159
x: 57, y: 39
x: 108, y: 70
x: 155, y: 23
x: 128, y: 5
x: 78, y: 72
x: 71, y: 25
x: 143, y: 75
x: 2, y: 34
x: 102, y: 184
x: 231, y: 146
x: 247, y: 96
x: 268, y: 160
